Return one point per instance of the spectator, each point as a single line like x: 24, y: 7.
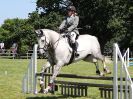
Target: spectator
x: 14, y: 47
x: 2, y: 47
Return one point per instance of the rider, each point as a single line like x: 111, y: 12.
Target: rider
x: 69, y: 25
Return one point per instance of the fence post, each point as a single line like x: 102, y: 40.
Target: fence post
x: 124, y: 60
x: 115, y: 77
x: 29, y: 83
x: 35, y: 69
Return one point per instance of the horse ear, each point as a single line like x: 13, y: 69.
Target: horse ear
x: 39, y: 33
x: 36, y: 31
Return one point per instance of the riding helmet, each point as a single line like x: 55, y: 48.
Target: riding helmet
x: 71, y: 8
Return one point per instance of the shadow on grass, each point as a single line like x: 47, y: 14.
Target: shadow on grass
x: 49, y: 97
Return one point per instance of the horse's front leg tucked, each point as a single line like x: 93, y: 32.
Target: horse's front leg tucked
x: 44, y: 68
x: 57, y: 68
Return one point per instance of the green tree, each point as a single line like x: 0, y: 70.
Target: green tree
x: 111, y: 21
x: 51, y: 20
x: 107, y: 19
x: 18, y: 31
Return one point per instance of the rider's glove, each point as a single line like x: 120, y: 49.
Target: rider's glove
x: 61, y: 30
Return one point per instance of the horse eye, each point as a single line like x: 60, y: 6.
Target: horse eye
x: 43, y: 41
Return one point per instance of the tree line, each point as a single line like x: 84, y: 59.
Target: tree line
x: 109, y: 20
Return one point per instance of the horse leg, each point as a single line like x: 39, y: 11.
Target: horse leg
x: 97, y: 69
x: 57, y: 68
x: 105, y: 68
x: 41, y: 82
x: 44, y: 68
x: 91, y: 58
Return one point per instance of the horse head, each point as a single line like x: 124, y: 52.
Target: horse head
x: 43, y: 40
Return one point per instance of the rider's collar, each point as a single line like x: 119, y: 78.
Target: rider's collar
x: 71, y: 16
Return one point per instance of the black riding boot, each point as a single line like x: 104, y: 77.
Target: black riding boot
x: 75, y: 49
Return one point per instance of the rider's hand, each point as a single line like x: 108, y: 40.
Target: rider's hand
x: 61, y: 30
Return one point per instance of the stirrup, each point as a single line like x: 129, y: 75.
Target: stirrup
x: 76, y: 54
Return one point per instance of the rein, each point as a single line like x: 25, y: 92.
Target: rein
x: 49, y: 45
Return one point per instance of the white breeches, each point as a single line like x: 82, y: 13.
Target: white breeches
x: 73, y: 37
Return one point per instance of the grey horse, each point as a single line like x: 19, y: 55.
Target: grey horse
x: 59, y: 51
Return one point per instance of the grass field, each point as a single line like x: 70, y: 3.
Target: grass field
x: 12, y: 72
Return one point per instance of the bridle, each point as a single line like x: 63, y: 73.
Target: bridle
x: 46, y: 45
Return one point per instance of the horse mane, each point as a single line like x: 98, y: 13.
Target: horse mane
x: 49, y: 30
x: 52, y: 31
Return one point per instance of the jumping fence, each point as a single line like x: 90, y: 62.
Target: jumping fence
x: 127, y: 85
x: 29, y: 83
x: 122, y: 87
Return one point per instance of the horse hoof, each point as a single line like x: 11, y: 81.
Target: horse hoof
x: 40, y: 78
x: 102, y: 74
x: 107, y: 71
x: 98, y: 72
x: 45, y: 91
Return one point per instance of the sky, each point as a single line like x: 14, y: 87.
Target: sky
x: 16, y: 9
